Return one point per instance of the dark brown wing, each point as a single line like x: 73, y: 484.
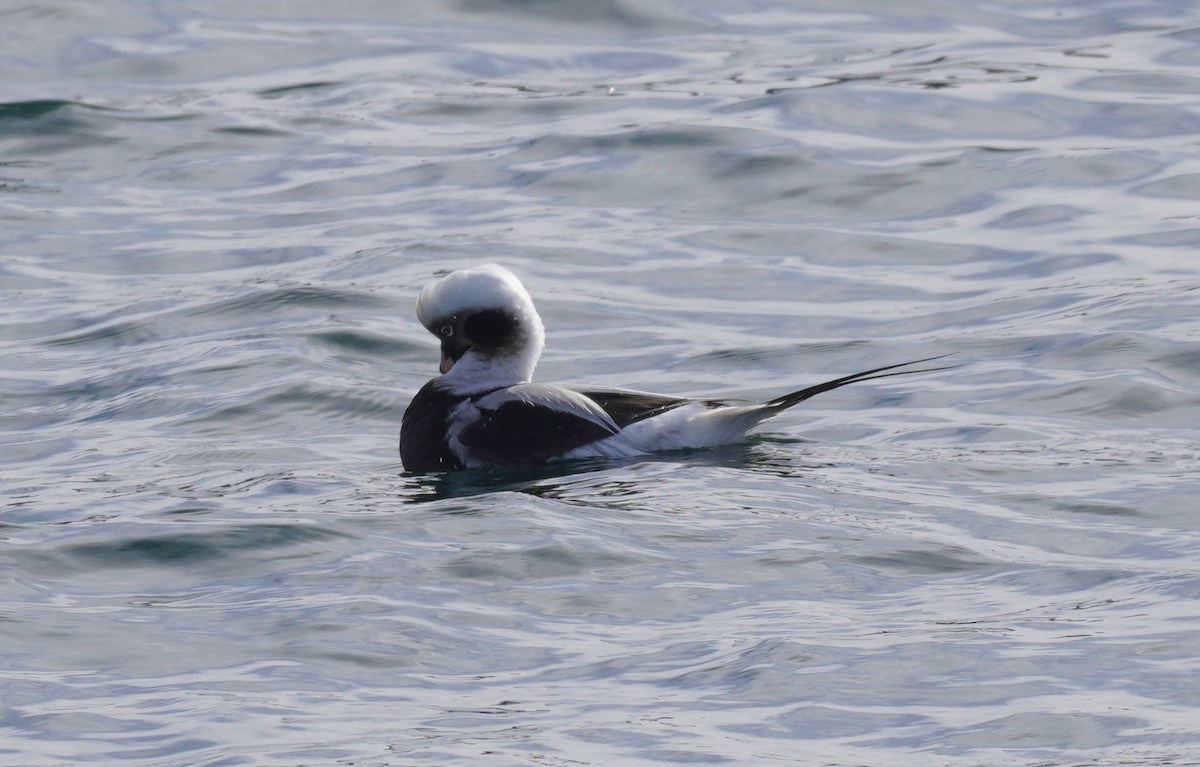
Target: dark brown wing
x: 519, y: 433
x: 626, y: 407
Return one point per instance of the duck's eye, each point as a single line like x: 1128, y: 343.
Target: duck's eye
x: 448, y: 330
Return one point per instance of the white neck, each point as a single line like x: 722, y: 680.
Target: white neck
x: 477, y: 372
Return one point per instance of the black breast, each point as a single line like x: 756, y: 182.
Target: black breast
x: 423, y: 443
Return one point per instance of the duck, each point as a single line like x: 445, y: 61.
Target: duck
x: 485, y: 410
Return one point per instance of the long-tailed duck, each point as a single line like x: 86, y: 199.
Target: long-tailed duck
x: 484, y: 409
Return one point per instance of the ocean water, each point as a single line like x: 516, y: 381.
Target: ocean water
x: 215, y: 217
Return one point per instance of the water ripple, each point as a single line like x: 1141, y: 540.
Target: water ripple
x: 216, y: 223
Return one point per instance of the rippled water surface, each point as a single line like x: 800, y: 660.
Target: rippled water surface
x: 215, y: 216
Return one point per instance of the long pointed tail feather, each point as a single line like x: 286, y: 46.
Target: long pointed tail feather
x: 887, y: 371
x: 721, y: 422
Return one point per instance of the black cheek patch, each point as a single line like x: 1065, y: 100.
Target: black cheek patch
x: 491, y: 328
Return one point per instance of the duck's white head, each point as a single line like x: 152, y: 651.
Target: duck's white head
x: 490, y: 332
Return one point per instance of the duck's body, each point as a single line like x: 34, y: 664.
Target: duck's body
x: 485, y: 411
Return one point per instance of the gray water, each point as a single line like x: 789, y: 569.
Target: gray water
x: 215, y: 217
